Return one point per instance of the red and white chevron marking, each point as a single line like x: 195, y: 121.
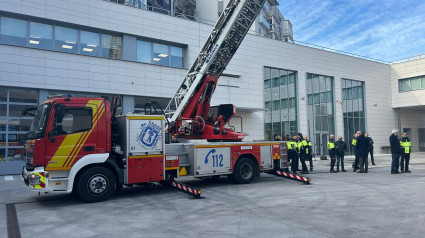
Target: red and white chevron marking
x: 294, y: 176
x: 184, y: 187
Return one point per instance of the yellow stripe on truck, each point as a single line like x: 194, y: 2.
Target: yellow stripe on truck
x: 72, y: 144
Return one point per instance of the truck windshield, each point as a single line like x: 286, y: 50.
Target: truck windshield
x: 39, y: 123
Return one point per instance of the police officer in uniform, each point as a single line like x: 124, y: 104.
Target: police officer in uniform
x: 302, y: 152
x: 308, y: 153
x: 291, y: 146
x: 332, y: 152
x: 406, y: 149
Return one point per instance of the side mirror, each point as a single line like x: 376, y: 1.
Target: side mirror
x: 51, y: 135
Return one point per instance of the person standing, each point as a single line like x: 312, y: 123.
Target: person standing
x: 277, y: 137
x: 291, y: 146
x: 356, y: 160
x: 332, y: 152
x: 362, y: 149
x: 406, y: 149
x: 395, y: 151
x: 308, y: 153
x: 302, y: 152
x: 341, y: 147
x: 370, y: 147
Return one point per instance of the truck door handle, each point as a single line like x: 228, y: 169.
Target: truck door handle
x: 88, y: 148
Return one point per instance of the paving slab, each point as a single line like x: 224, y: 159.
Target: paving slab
x: 376, y: 204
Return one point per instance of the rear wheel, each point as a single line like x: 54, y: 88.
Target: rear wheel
x: 244, y: 171
x: 96, y: 184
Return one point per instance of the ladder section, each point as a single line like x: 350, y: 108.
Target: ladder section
x: 221, y: 45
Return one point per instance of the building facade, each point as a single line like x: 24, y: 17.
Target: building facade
x: 132, y: 49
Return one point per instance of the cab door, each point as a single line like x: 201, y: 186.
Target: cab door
x: 72, y: 134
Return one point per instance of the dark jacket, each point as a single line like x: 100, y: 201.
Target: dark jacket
x: 370, y: 143
x: 395, y: 144
x: 362, y: 146
x: 341, y: 147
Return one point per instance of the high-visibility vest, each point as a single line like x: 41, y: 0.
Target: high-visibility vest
x: 291, y: 145
x: 302, y: 144
x: 354, y: 142
x: 331, y: 145
x: 406, y: 145
x: 309, y: 145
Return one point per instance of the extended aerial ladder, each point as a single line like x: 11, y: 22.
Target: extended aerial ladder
x: 188, y: 112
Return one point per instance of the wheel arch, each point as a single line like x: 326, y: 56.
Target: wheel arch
x: 93, y: 160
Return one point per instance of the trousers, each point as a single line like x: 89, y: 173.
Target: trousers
x: 364, y: 164
x: 303, y: 164
x: 371, y: 156
x: 339, y: 159
x: 395, y: 162
x: 404, y: 162
x: 309, y: 157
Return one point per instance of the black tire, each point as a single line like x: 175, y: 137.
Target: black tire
x: 96, y: 184
x: 244, y: 171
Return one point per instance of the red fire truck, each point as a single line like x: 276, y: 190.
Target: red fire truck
x: 80, y: 144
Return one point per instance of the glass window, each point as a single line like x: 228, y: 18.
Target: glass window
x: 328, y: 83
x: 275, y: 82
x: 423, y: 82
x: 361, y: 91
x: 316, y: 98
x: 74, y: 120
x: 40, y: 36
x: 13, y: 31
x: 267, y: 105
x: 176, y: 56
x: 415, y: 83
x: 310, y: 99
x: 355, y: 93
x: 405, y: 85
x: 160, y: 54
x: 23, y: 96
x: 144, y: 51
x: 66, y: 39
x: 3, y: 95
x: 89, y: 43
x: 267, y: 83
x: 111, y: 46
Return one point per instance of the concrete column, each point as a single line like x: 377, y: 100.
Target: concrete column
x: 302, y: 102
x: 127, y: 104
x: 337, y: 101
x: 42, y: 96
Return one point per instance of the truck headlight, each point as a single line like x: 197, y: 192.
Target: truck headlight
x: 34, y: 179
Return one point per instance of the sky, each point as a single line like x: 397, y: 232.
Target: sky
x: 387, y: 30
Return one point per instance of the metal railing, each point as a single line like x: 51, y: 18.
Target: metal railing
x: 141, y: 4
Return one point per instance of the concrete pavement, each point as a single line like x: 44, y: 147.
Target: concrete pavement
x: 377, y: 204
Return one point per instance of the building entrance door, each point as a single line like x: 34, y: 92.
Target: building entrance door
x: 421, y: 133
x: 320, y: 146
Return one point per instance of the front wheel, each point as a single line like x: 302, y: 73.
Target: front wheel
x: 96, y: 184
x: 244, y: 171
